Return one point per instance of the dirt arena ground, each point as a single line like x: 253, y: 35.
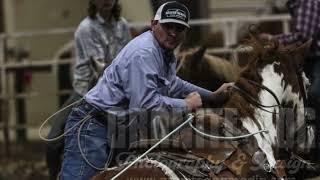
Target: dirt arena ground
x: 25, y: 162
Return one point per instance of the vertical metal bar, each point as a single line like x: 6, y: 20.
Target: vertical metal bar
x: 3, y: 101
x: 285, y: 26
x: 225, y: 34
x: 20, y: 103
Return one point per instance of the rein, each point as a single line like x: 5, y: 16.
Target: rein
x: 256, y: 102
x: 231, y: 138
x: 178, y: 68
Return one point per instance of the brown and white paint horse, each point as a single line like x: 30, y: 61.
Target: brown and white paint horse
x: 267, y: 82
x: 277, y: 70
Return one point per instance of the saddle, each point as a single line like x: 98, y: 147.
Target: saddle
x: 234, y: 162
x: 185, y: 165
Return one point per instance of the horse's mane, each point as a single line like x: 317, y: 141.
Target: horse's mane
x: 268, y: 48
x: 222, y: 67
x: 263, y: 51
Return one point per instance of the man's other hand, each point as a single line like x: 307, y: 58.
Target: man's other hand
x: 193, y: 101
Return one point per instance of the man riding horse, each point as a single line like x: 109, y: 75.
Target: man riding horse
x: 141, y: 77
x: 264, y: 118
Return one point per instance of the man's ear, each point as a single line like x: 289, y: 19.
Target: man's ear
x: 153, y: 24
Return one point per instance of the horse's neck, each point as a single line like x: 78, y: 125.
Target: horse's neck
x: 256, y: 119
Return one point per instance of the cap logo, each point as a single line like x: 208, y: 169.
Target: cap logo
x: 176, y: 13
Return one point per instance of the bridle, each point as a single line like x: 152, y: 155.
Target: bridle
x: 179, y: 66
x: 255, y: 101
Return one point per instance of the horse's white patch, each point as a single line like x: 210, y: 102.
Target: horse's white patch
x: 265, y: 142
x: 265, y: 146
x: 274, y: 81
x: 306, y: 81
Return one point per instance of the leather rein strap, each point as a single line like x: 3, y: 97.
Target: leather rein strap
x: 256, y: 102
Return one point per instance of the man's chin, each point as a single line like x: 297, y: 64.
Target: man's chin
x: 171, y: 46
x: 107, y: 8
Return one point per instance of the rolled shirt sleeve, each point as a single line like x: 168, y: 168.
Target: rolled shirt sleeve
x: 181, y: 88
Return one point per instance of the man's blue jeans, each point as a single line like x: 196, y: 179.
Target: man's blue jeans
x: 94, y: 143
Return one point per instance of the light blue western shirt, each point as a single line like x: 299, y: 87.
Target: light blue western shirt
x: 142, y: 76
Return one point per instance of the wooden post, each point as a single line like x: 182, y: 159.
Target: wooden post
x: 198, y: 34
x: 20, y: 86
x: 4, y: 102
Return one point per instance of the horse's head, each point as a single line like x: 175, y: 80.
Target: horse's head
x: 203, y: 69
x: 190, y: 63
x: 272, y: 99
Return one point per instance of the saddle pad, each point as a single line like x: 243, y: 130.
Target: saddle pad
x: 239, y: 163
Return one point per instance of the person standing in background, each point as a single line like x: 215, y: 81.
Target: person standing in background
x: 98, y: 39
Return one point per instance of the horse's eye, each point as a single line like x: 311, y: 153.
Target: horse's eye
x: 277, y: 63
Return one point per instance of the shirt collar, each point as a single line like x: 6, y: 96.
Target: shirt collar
x: 102, y: 21
x: 169, y: 56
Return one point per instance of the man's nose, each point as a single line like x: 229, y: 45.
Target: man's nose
x: 173, y: 31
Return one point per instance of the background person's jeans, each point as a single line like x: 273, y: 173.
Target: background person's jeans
x: 94, y: 143
x: 312, y: 70
x: 314, y: 91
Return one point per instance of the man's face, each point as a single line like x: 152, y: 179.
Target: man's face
x: 169, y: 35
x: 104, y: 6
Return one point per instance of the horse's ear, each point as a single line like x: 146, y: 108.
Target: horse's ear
x: 304, y: 48
x: 198, y: 55
x: 301, y: 52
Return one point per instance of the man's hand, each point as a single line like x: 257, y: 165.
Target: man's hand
x: 99, y: 65
x: 193, y: 101
x: 219, y: 97
x: 224, y: 90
